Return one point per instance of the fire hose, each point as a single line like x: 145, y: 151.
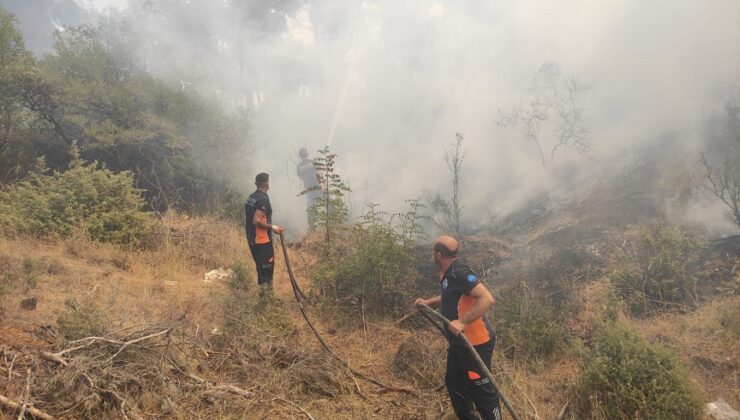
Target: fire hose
x: 299, y: 297
x: 428, y: 313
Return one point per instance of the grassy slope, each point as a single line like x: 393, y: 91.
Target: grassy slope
x: 165, y: 286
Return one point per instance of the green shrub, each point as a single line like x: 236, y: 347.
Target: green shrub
x: 662, y: 270
x: 241, y: 276
x: 626, y: 377
x: 103, y: 204
x: 377, y: 274
x: 81, y: 320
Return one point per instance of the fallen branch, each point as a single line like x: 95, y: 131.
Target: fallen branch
x: 54, y: 357
x: 130, y: 342
x: 26, y: 395
x: 209, y: 386
x: 11, y: 373
x: 10, y: 366
x: 563, y: 411
x: 31, y: 410
x: 57, y: 357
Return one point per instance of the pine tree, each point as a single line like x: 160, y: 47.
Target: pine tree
x: 329, y: 210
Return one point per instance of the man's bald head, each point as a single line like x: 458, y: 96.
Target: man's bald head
x: 447, y: 246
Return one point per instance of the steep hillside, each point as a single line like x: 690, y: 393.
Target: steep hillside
x: 214, y: 349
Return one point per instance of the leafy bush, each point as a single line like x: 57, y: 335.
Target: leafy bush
x: 102, y: 204
x: 378, y: 272
x: 81, y: 320
x: 661, y: 271
x: 241, y: 276
x: 627, y: 377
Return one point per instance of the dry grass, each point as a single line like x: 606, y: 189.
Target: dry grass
x: 420, y: 360
x: 130, y: 286
x: 707, y: 342
x: 164, y: 285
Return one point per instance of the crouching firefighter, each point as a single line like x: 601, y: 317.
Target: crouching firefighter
x: 464, y: 300
x: 259, y: 232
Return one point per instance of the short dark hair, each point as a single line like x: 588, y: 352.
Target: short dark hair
x: 261, y: 179
x: 447, y: 252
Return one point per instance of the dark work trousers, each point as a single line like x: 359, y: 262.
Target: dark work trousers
x: 466, y: 384
x: 264, y: 260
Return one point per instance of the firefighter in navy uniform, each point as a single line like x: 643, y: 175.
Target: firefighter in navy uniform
x: 464, y: 300
x: 259, y: 232
x: 306, y: 171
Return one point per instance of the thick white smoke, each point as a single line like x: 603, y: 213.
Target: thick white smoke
x: 391, y: 82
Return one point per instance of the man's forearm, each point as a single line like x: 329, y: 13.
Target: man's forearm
x: 434, y: 302
x: 262, y: 225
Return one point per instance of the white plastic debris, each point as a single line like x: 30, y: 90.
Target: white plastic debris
x: 720, y: 410
x: 217, y: 274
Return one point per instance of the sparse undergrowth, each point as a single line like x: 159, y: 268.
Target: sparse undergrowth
x: 529, y: 327
x: 421, y: 360
x: 661, y: 270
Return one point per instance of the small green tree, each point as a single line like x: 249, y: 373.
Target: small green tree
x: 329, y: 210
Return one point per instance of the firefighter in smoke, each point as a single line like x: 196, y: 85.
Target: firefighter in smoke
x: 259, y: 232
x: 464, y: 300
x: 306, y: 171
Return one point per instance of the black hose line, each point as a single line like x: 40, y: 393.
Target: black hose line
x: 298, y: 297
x: 430, y: 313
x: 296, y: 290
